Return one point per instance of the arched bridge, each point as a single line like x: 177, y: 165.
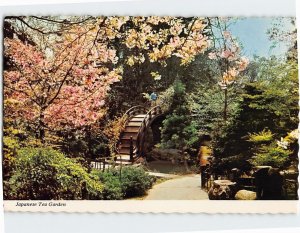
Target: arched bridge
x: 130, y: 146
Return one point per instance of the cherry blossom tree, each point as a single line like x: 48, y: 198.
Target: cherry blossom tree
x: 227, y: 52
x: 61, y: 80
x: 143, y: 45
x: 59, y: 88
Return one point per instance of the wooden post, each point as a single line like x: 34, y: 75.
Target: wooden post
x: 103, y: 164
x: 131, y: 149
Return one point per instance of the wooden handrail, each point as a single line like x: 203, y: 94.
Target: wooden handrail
x: 134, y: 110
x: 150, y: 116
x: 129, y: 113
x: 138, y: 147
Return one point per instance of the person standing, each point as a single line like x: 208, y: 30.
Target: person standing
x: 153, y: 98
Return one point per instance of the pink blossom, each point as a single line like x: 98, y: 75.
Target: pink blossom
x: 227, y: 54
x: 227, y: 34
x: 243, y: 63
x: 212, y: 56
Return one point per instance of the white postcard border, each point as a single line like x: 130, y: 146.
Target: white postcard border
x: 160, y: 206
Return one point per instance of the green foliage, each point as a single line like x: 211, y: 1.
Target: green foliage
x: 113, y: 130
x: 135, y: 181
x: 264, y: 136
x: 112, y: 186
x: 165, y: 99
x: 271, y: 155
x: 44, y: 174
x: 10, y: 145
x: 129, y: 182
x: 13, y: 139
x: 270, y: 103
x: 86, y: 144
x: 179, y: 131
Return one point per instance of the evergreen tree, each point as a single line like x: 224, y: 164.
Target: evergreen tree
x: 268, y: 104
x: 179, y: 131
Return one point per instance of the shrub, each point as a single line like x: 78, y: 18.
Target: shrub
x: 112, y: 189
x: 132, y: 182
x: 113, y: 130
x: 44, y: 174
x: 271, y: 155
x: 264, y: 136
x: 135, y: 181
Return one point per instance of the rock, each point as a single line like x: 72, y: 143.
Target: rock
x: 221, y: 190
x: 245, y: 195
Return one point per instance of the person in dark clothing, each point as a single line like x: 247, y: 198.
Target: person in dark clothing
x: 261, y: 179
x: 273, y: 188
x: 268, y: 182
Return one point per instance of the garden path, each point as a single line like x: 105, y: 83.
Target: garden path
x: 183, y: 188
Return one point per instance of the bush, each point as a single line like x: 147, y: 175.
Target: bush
x: 271, y: 155
x: 112, y: 189
x: 44, y: 174
x: 264, y: 136
x: 135, y: 181
x: 268, y: 152
x: 132, y: 182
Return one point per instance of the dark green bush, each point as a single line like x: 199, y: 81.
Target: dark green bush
x: 112, y: 189
x: 130, y: 182
x: 135, y: 181
x: 44, y: 174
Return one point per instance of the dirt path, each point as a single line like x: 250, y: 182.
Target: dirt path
x: 183, y: 188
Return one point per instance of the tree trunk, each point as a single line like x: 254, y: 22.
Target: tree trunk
x: 41, y: 127
x: 225, y: 105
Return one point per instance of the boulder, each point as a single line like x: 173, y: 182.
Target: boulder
x: 221, y: 190
x: 245, y: 195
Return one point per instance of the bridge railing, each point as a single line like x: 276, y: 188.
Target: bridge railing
x: 135, y: 110
x: 138, y: 109
x: 150, y: 116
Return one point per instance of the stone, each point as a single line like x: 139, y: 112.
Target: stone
x: 221, y: 190
x: 245, y: 195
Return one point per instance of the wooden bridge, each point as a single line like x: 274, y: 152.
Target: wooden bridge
x: 130, y: 146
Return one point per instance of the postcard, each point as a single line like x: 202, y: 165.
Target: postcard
x: 150, y: 114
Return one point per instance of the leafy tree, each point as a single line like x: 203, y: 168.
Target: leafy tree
x: 226, y: 52
x: 56, y: 93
